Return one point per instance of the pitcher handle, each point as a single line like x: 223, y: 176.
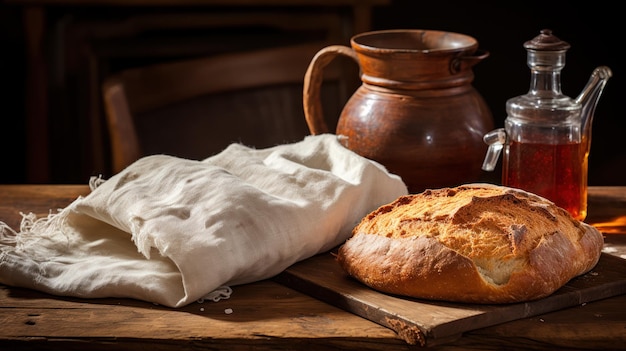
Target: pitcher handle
x: 312, y: 103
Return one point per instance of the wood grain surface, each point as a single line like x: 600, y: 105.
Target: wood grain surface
x: 426, y: 322
x: 267, y: 315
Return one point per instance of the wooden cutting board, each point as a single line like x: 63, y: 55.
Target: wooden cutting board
x: 428, y: 323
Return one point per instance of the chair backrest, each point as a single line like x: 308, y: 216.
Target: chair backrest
x: 195, y: 108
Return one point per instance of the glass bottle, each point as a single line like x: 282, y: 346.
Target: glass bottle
x: 546, y: 134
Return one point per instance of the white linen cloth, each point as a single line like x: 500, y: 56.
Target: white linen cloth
x: 171, y: 231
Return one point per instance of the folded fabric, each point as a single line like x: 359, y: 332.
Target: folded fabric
x: 171, y: 231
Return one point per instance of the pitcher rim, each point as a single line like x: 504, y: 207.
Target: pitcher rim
x: 356, y: 44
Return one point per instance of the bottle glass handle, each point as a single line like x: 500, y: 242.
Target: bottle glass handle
x: 495, y: 139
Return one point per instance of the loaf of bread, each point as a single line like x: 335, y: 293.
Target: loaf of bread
x: 476, y: 243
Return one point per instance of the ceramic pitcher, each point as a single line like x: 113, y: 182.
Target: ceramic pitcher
x: 416, y: 111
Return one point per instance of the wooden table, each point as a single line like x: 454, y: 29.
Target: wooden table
x: 269, y: 316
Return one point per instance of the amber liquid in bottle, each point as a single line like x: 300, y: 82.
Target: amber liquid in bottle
x: 557, y: 172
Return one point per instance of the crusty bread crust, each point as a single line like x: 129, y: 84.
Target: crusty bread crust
x: 476, y: 243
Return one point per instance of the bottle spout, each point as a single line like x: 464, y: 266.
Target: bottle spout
x: 589, y: 97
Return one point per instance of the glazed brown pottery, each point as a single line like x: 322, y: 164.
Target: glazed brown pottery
x: 416, y: 111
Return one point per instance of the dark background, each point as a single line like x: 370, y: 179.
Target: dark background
x: 594, y: 31
x: 500, y: 28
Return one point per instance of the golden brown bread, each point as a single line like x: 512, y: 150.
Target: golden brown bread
x: 476, y: 243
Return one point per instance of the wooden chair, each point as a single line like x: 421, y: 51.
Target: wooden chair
x: 197, y: 107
